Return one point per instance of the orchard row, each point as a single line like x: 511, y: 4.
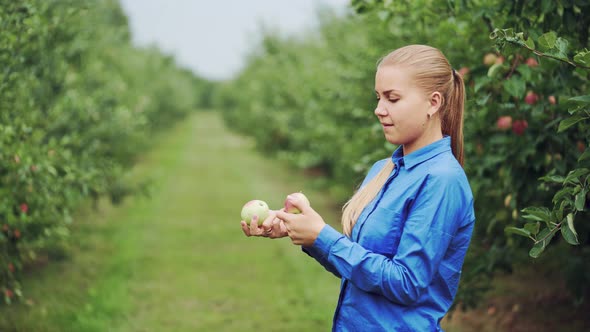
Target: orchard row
x: 310, y: 100
x: 78, y: 103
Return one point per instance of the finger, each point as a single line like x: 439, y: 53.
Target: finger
x: 283, y: 228
x: 254, y: 225
x: 245, y: 228
x: 268, y: 222
x: 297, y: 202
x: 276, y: 225
x: 276, y: 228
x: 271, y: 229
x: 286, y: 217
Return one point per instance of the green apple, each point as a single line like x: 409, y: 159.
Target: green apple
x: 290, y: 208
x: 253, y: 208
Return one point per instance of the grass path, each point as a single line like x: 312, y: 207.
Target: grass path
x: 179, y: 261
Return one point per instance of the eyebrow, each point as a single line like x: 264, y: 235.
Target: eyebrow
x: 388, y: 92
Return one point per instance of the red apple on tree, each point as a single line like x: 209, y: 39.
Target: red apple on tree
x: 519, y: 126
x: 300, y: 197
x: 532, y: 62
x: 253, y: 208
x: 463, y: 71
x: 552, y: 100
x: 504, y: 122
x: 531, y: 98
x: 581, y: 146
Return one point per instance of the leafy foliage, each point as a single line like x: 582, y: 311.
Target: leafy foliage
x: 77, y: 104
x: 310, y: 100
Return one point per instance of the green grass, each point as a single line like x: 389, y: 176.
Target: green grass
x: 179, y: 261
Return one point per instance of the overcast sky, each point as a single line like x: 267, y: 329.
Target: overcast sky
x: 213, y: 36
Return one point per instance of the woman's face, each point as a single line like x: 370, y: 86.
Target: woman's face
x: 402, y: 108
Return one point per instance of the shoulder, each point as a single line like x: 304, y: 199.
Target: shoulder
x: 444, y: 174
x: 445, y: 169
x: 446, y: 178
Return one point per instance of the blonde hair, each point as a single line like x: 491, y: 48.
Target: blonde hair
x: 432, y: 72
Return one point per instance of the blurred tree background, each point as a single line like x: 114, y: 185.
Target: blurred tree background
x: 526, y: 67
x: 79, y: 104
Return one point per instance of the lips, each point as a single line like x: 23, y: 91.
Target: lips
x: 386, y: 124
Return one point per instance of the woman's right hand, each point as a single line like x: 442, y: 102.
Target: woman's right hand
x: 271, y: 227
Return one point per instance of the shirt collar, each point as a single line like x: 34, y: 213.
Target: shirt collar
x: 421, y: 154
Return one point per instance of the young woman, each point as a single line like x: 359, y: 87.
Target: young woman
x: 408, y: 227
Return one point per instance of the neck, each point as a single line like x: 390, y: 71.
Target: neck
x: 429, y: 136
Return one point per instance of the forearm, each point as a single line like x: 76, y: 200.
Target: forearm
x: 369, y: 271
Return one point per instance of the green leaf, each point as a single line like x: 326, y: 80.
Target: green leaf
x: 582, y: 58
x: 481, y: 82
x: 547, y: 40
x: 537, y: 214
x: 580, y: 202
x: 515, y: 86
x: 517, y: 231
x: 532, y: 227
x: 530, y: 43
x: 583, y: 99
x: 565, y: 124
x: 584, y: 155
x: 573, y: 176
x: 525, y: 71
x: 544, y: 238
x: 562, y: 45
x: 558, y: 214
x: 553, y: 178
x: 537, y: 249
x: 568, y: 232
x: 565, y: 191
x: 494, y: 69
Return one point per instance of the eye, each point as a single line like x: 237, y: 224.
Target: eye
x: 393, y: 100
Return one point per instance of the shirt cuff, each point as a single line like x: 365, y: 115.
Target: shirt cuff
x: 326, y: 239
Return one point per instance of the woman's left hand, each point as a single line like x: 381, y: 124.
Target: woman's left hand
x: 302, y: 228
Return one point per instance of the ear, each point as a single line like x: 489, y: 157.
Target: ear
x: 435, y: 101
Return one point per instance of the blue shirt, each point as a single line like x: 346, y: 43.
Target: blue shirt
x: 401, y: 266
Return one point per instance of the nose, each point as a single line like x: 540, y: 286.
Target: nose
x: 380, y: 110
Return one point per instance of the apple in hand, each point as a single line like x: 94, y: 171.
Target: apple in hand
x: 253, y: 208
x: 290, y: 208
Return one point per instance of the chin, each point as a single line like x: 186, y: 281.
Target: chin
x: 393, y: 140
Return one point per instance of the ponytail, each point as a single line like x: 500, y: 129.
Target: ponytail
x: 452, y: 117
